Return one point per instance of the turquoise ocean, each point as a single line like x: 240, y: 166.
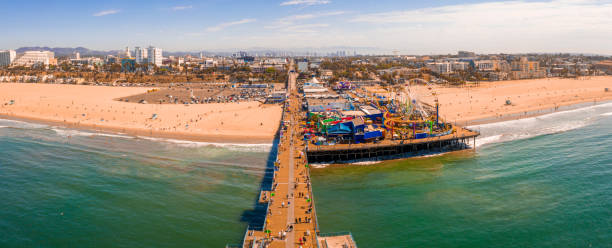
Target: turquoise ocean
x: 538, y: 182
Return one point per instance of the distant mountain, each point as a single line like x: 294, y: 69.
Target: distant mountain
x: 261, y: 51
x: 67, y: 51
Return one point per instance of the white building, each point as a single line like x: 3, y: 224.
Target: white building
x: 302, y: 66
x: 460, y: 66
x: 7, y: 57
x: 327, y: 74
x: 155, y: 56
x: 30, y: 58
x: 485, y: 65
x: 440, y: 67
x: 141, y: 55
x: 210, y: 63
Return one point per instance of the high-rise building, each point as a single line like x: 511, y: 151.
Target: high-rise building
x: 141, y: 55
x: 7, y: 57
x: 155, y: 56
x: 240, y: 54
x: 523, y: 68
x: 465, y: 54
x: 30, y: 58
x: 459, y: 66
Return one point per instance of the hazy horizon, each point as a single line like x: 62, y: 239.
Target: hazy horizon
x: 410, y: 27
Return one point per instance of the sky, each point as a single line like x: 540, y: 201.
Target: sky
x: 407, y: 26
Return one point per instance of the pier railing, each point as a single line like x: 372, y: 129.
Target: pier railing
x: 388, y: 143
x: 314, y: 208
x: 333, y: 234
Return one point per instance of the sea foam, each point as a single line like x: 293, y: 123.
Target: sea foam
x: 73, y: 132
x: 66, y: 133
x: 21, y: 124
x: 265, y: 147
x: 552, y: 123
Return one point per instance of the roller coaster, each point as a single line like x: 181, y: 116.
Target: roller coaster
x: 407, y: 117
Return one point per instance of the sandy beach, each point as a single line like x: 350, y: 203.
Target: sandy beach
x: 93, y: 108
x: 487, y: 102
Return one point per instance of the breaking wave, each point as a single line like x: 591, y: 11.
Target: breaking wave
x: 557, y: 122
x: 266, y: 147
x: 67, y: 133
x: 21, y: 124
x: 73, y: 132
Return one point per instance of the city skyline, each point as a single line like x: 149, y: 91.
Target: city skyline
x: 410, y: 27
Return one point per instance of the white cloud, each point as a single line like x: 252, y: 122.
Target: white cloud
x: 556, y: 25
x: 313, y: 15
x: 224, y: 25
x: 106, y: 12
x: 291, y: 20
x: 504, y: 26
x: 305, y: 28
x: 305, y: 2
x: 175, y: 8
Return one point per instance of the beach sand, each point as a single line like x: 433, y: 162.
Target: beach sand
x: 487, y: 102
x: 93, y: 108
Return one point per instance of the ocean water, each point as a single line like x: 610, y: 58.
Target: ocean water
x: 69, y: 188
x: 538, y: 182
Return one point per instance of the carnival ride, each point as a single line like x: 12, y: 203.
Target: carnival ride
x: 408, y: 117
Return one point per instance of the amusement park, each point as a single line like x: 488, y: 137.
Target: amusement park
x: 371, y: 114
x: 366, y: 120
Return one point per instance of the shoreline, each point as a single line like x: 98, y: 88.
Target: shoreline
x: 92, y: 108
x: 534, y: 112
x: 139, y: 133
x: 265, y: 140
x: 509, y: 100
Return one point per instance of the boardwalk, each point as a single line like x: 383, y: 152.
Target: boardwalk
x: 291, y: 218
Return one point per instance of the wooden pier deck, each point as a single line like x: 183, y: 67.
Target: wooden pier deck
x: 291, y: 217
